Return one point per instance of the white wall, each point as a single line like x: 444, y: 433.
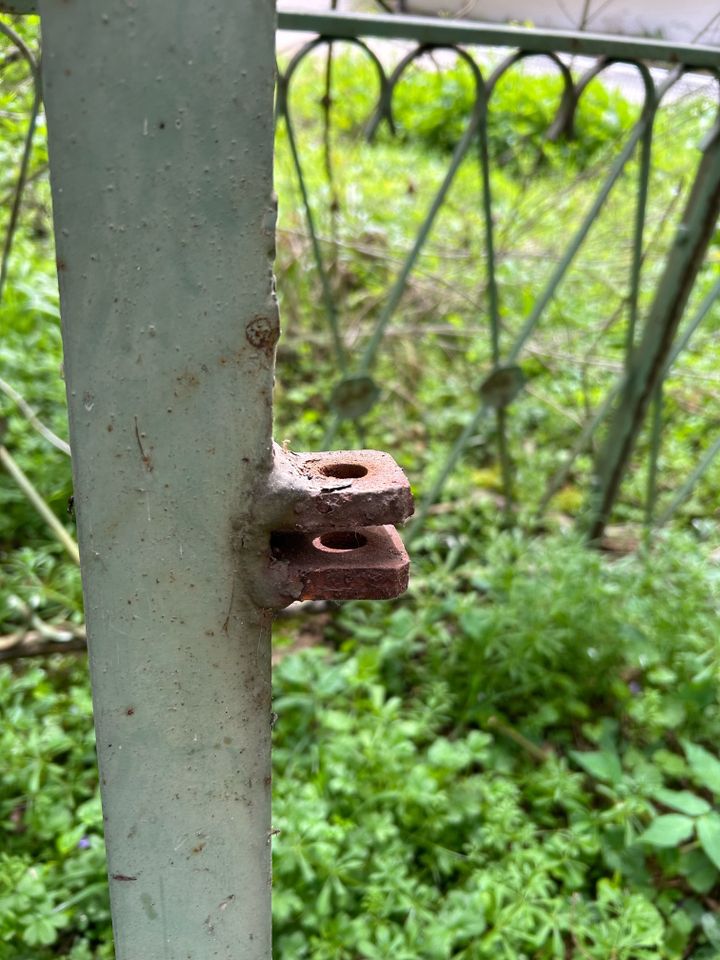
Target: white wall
x: 680, y: 20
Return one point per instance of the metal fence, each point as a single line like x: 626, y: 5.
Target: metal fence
x: 651, y: 308
x: 651, y: 311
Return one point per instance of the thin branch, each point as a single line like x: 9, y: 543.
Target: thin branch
x: 537, y: 753
x: 37, y: 643
x: 40, y: 505
x: 41, y: 169
x: 32, y: 418
x: 27, y: 152
x: 711, y: 23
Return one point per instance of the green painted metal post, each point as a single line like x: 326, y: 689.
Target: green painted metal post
x: 160, y: 122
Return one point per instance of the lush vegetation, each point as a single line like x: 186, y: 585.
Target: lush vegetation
x: 517, y: 760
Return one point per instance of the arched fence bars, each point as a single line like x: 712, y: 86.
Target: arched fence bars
x: 652, y: 344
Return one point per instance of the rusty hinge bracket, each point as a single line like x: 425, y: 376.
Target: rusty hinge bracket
x: 329, y: 527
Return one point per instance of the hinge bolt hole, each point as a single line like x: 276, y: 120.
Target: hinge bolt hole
x: 341, y: 540
x: 344, y: 471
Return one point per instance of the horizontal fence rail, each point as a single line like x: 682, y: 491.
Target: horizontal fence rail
x: 440, y: 32
x: 653, y: 339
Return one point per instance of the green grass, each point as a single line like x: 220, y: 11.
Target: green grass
x: 517, y: 760
x: 470, y: 773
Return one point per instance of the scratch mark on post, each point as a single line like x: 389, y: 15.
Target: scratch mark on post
x: 226, y: 624
x: 222, y: 906
x: 122, y: 876
x: 163, y: 911
x: 181, y: 843
x: 147, y: 462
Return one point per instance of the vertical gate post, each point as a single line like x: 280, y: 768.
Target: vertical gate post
x: 160, y: 116
x: 193, y: 526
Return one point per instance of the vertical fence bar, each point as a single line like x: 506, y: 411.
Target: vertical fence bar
x: 644, y: 166
x: 161, y: 124
x: 648, y: 364
x: 501, y: 415
x: 656, y: 425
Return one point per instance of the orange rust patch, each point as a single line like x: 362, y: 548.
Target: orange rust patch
x: 262, y: 332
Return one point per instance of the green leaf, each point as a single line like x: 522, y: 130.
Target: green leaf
x: 704, y: 766
x: 711, y: 928
x: 601, y: 764
x: 682, y: 800
x: 708, y: 831
x: 700, y: 872
x: 668, y: 831
x: 40, y: 931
